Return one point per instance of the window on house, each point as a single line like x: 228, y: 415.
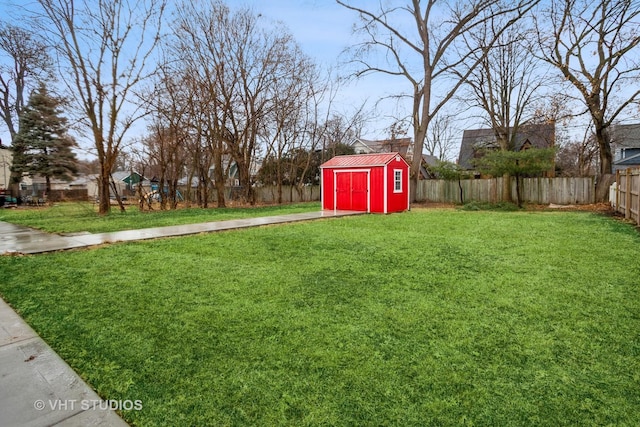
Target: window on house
x: 397, y: 180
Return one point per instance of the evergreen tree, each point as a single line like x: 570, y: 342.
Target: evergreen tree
x: 43, y: 146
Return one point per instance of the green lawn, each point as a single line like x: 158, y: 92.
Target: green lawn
x: 71, y: 217
x: 431, y: 317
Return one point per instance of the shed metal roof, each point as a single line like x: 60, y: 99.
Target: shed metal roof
x: 360, y: 160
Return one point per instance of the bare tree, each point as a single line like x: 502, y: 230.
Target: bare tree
x: 206, y: 144
x: 303, y: 101
x: 242, y: 65
x: 429, y: 53
x: 439, y: 141
x: 339, y: 131
x: 578, y: 158
x: 105, y: 49
x: 165, y: 146
x: 193, y: 47
x: 168, y: 108
x: 27, y: 61
x: 285, y: 133
x: 595, y: 46
x: 507, y: 84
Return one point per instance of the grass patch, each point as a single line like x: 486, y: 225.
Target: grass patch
x: 78, y: 217
x: 483, y: 206
x: 440, y: 317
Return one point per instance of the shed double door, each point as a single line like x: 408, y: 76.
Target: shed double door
x: 352, y: 190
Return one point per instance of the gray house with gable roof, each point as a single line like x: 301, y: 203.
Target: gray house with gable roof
x: 625, y: 146
x: 475, y: 142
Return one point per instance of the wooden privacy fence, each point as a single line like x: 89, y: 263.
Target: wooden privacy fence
x: 66, y: 195
x: 561, y: 191
x: 627, y: 194
x: 290, y: 194
x: 266, y: 194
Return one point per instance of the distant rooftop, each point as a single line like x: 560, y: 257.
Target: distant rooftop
x: 475, y: 140
x: 626, y: 136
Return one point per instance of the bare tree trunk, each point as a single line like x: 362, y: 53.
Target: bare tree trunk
x: 161, y: 195
x: 518, y: 196
x: 116, y: 194
x: 104, y: 189
x: 506, y: 187
x: 218, y: 176
x: 604, y: 145
x: 279, y: 182
x: 188, y: 195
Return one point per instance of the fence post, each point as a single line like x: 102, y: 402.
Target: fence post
x: 637, y: 174
x: 638, y: 197
x: 617, y: 201
x: 627, y: 194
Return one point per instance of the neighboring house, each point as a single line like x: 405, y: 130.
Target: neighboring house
x: 428, y: 162
x: 5, y: 166
x: 476, y: 141
x: 231, y: 173
x: 81, y: 182
x: 76, y: 189
x: 126, y: 183
x: 625, y: 146
x: 403, y: 146
x: 231, y: 168
x: 128, y: 180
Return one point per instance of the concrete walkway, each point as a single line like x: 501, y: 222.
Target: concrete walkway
x: 23, y: 240
x: 37, y: 387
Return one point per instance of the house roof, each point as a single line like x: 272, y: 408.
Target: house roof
x: 428, y: 160
x: 120, y: 175
x: 83, y: 180
x: 628, y: 161
x: 539, y: 136
x: 626, y: 136
x: 397, y: 145
x: 359, y: 160
x: 125, y: 176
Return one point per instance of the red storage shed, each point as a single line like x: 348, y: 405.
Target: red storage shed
x: 376, y: 182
